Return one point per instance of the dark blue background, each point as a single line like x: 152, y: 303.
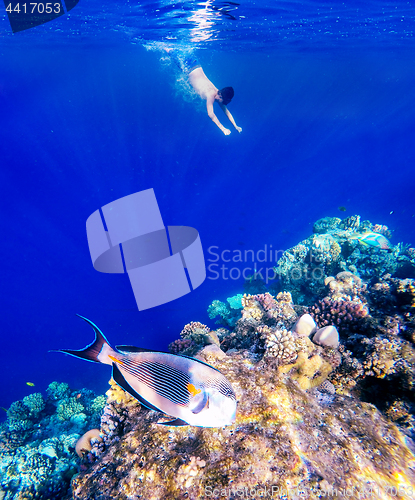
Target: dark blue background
x: 81, y: 127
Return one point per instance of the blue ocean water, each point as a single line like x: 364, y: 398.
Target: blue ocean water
x: 91, y: 112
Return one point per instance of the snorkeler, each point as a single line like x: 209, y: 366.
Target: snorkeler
x: 206, y: 90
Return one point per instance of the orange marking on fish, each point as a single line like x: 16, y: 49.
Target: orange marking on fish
x: 192, y: 389
x: 115, y: 359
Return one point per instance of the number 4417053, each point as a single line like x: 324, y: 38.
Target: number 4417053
x: 35, y: 8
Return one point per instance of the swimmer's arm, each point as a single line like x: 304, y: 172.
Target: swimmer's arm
x: 214, y: 118
x: 228, y: 114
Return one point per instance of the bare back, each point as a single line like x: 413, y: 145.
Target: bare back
x: 203, y: 86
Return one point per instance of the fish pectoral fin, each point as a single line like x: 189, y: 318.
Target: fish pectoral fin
x: 201, y: 404
x: 120, y: 380
x: 176, y: 423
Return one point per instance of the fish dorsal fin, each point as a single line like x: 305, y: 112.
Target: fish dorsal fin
x: 120, y: 380
x: 177, y: 422
x: 131, y: 349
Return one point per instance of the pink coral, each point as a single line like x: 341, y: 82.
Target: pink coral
x: 345, y: 314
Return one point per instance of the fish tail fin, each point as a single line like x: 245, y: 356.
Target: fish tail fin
x: 98, y: 351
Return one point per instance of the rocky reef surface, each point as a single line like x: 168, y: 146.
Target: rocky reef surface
x: 323, y: 368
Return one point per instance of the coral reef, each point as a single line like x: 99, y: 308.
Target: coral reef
x: 194, y: 336
x: 258, y: 310
x: 279, y: 344
x: 228, y: 313
x: 300, y: 443
x: 334, y: 247
x: 320, y: 413
x: 37, y: 441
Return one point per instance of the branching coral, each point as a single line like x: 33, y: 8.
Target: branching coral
x: 198, y: 334
x: 35, y: 403
x: 345, y: 285
x: 345, y: 314
x: 58, y: 390
x: 279, y: 344
x: 182, y: 346
x: 193, y: 329
x: 69, y: 407
x: 266, y: 307
x: 382, y: 357
x: 252, y: 309
x: 228, y: 313
x: 382, y: 229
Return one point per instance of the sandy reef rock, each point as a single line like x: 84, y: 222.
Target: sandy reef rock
x: 284, y: 437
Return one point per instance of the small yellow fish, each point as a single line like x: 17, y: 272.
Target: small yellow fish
x: 31, y: 384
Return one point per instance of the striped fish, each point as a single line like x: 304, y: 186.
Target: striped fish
x: 190, y: 390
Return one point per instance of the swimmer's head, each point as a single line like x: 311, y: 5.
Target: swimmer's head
x: 226, y: 94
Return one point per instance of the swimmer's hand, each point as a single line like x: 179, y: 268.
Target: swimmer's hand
x: 226, y: 131
x: 239, y: 129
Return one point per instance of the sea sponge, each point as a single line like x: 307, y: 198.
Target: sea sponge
x: 308, y: 372
x: 327, y: 336
x: 305, y: 326
x: 118, y: 395
x: 83, y: 445
x: 235, y: 302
